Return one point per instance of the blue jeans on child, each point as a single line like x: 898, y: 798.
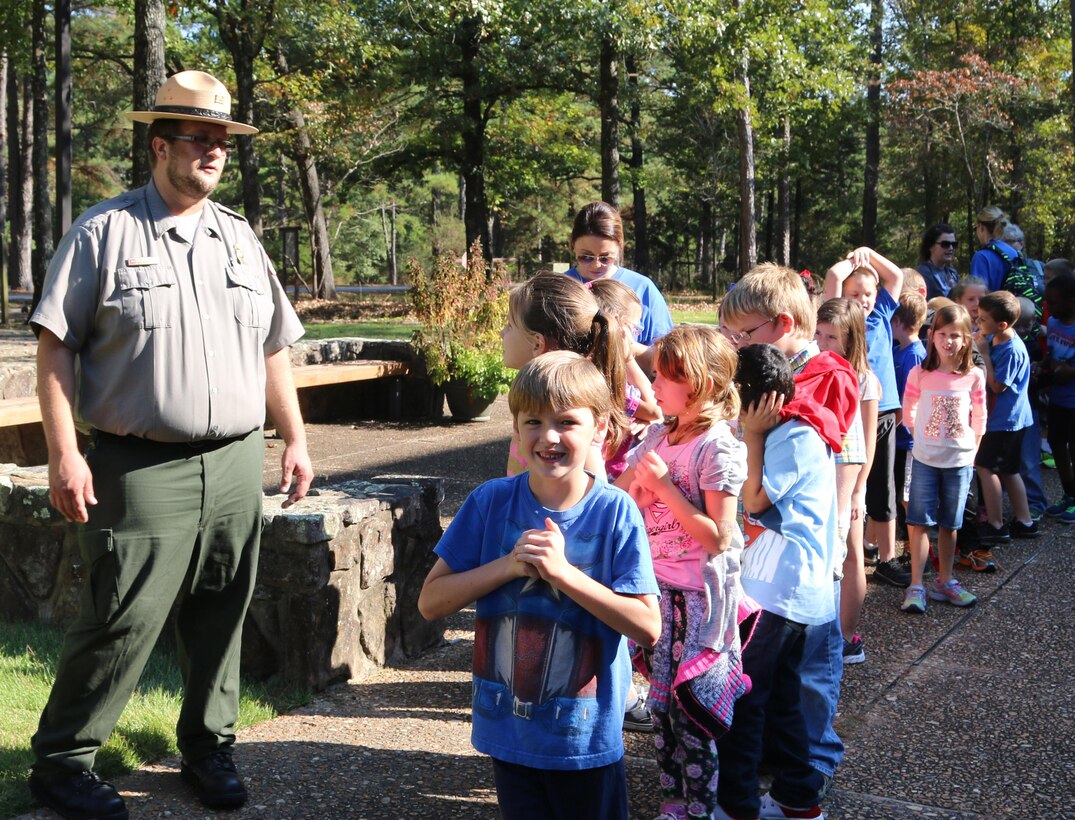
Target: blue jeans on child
x: 1030, y: 464
x: 938, y: 495
x: 771, y: 711
x: 820, y: 673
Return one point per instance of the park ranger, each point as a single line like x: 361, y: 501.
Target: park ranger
x: 164, y: 335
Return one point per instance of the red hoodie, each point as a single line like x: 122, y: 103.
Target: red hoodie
x: 826, y: 397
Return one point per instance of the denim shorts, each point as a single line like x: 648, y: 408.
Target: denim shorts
x: 938, y: 495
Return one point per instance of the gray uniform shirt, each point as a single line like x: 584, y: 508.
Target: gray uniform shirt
x: 170, y: 336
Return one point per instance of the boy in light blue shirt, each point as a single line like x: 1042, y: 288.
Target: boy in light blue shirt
x: 1007, y: 370
x: 559, y: 564
x: 787, y: 571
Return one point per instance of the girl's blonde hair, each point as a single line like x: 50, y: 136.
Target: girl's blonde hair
x: 847, y: 317
x: 567, y: 316
x: 615, y: 298
x: 700, y: 357
x: 951, y: 315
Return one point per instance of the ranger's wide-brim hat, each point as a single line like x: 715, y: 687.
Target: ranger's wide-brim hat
x: 193, y: 95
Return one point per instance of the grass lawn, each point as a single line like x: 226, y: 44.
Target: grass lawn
x: 146, y: 731
x: 385, y: 329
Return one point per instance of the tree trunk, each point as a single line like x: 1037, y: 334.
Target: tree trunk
x: 638, y: 187
x: 243, y: 32
x: 784, y: 199
x: 62, y: 15
x: 873, y: 127
x: 149, y: 76
x: 608, y: 98
x: 20, y: 180
x: 770, y: 222
x: 392, y: 256
x: 748, y: 245
x: 42, y: 212
x: 476, y: 216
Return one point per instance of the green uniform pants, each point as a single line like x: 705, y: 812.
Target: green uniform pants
x: 173, y: 523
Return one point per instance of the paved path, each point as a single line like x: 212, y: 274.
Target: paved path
x: 956, y: 714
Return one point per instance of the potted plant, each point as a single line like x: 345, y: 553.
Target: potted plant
x: 462, y: 310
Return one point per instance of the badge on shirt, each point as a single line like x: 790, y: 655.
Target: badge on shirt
x: 142, y: 261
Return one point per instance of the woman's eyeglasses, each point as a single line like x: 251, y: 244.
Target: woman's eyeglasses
x: 947, y: 243
x: 589, y: 259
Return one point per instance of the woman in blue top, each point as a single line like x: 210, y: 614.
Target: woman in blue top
x: 936, y: 254
x: 989, y: 262
x: 597, y: 242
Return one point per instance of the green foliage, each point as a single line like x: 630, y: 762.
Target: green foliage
x: 461, y: 310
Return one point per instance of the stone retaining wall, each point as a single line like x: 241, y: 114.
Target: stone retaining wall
x: 338, y: 580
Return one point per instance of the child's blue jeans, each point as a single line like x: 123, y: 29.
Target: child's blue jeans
x: 771, y: 658
x: 526, y: 793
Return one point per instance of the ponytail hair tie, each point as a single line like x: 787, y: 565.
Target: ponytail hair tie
x: 589, y: 284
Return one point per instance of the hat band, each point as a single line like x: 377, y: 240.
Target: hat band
x: 192, y: 112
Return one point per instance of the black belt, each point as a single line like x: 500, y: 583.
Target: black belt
x: 178, y: 447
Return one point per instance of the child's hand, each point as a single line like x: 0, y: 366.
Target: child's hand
x: 642, y: 497
x: 764, y: 414
x: 651, y: 473
x: 543, y: 550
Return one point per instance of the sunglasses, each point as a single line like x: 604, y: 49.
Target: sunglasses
x: 207, y: 144
x: 589, y: 259
x: 946, y: 244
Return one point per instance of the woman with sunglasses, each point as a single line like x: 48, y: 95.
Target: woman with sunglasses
x: 936, y: 253
x: 597, y: 242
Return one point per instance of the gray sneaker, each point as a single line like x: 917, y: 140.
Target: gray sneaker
x: 638, y: 718
x: 892, y: 572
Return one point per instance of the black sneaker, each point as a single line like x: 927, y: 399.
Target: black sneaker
x: 1020, y: 530
x: 854, y: 651
x: 215, y: 781
x: 79, y: 795
x: 638, y: 718
x: 892, y: 572
x: 988, y: 534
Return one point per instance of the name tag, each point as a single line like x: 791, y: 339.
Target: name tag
x: 141, y: 261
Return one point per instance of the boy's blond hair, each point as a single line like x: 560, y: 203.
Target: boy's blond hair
x: 911, y: 312
x: 913, y: 281
x: 560, y: 380
x: 769, y: 290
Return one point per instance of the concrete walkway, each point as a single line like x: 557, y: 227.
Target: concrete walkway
x: 956, y: 714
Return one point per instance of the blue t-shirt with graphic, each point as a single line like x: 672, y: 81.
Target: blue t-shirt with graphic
x: 788, y: 568
x: 656, y: 317
x: 549, y: 678
x: 1011, y: 367
x: 906, y: 359
x: 879, y: 349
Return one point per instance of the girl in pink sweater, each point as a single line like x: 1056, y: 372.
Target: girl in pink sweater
x: 944, y: 406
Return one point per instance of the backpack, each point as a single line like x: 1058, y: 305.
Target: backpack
x: 1020, y: 279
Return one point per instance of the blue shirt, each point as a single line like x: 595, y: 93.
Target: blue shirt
x: 987, y: 265
x: 938, y: 280
x: 879, y: 349
x: 788, y: 569
x: 656, y: 318
x: 1011, y: 367
x: 905, y: 360
x: 549, y: 678
x: 1061, y: 348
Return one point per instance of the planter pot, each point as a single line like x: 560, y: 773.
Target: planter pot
x: 465, y: 406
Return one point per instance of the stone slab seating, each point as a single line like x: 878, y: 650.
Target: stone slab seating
x: 338, y: 579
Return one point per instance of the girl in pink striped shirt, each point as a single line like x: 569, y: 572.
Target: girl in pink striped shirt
x: 944, y: 406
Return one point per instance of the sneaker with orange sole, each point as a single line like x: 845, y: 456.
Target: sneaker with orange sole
x: 978, y: 560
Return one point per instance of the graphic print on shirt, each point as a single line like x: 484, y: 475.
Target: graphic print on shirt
x: 535, y: 656
x: 667, y: 537
x: 943, y: 421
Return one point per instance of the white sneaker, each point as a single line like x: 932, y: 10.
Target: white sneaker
x: 771, y: 810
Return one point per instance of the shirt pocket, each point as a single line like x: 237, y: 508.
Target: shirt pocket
x: 149, y: 296
x: 247, y: 296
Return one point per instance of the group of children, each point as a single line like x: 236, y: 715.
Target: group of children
x: 716, y: 518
